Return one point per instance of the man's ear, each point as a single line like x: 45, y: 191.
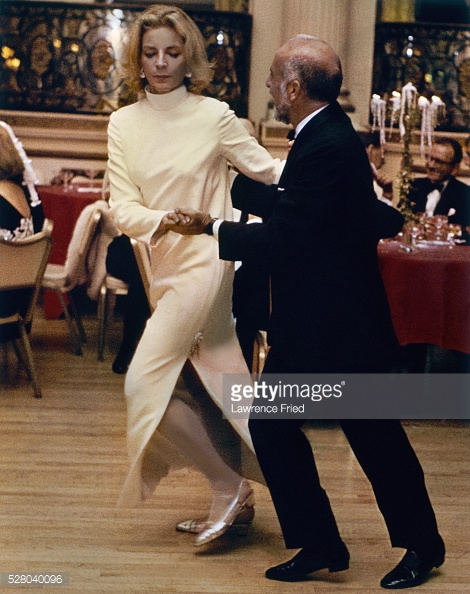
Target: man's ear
x: 455, y: 170
x: 293, y: 90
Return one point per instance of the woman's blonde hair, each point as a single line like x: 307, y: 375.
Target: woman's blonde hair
x: 195, y: 53
x: 11, y: 163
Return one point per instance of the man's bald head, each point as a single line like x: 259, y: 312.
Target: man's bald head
x: 314, y: 64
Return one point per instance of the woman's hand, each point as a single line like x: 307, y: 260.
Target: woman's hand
x: 189, y: 221
x: 168, y: 221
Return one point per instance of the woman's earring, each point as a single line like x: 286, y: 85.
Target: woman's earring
x: 142, y: 74
x: 188, y: 74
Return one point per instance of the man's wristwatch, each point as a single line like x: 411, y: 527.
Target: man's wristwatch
x: 208, y: 229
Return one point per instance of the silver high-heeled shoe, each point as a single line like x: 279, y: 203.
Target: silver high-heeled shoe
x: 244, y: 499
x: 241, y: 523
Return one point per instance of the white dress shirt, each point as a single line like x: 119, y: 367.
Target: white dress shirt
x: 433, y: 198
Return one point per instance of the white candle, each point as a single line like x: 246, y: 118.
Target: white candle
x: 426, y: 127
x: 375, y: 110
x: 437, y: 107
x: 378, y: 107
x: 408, y: 101
x: 396, y: 102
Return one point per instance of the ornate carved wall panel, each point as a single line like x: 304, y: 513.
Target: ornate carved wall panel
x: 64, y: 57
x: 434, y: 57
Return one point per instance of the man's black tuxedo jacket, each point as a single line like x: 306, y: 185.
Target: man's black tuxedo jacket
x: 319, y: 243
x: 456, y: 195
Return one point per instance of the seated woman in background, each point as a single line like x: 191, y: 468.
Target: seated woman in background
x: 21, y: 213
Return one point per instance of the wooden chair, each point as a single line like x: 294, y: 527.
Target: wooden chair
x: 141, y: 253
x: 23, y: 263
x: 260, y: 352
x: 110, y: 288
x: 62, y: 278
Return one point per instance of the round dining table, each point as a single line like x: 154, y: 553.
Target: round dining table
x: 428, y: 289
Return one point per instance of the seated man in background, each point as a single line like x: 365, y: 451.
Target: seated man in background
x: 121, y: 263
x: 440, y: 192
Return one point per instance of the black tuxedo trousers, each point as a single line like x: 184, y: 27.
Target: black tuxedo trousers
x: 387, y: 458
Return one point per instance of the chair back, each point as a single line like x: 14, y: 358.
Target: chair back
x: 82, y: 237
x: 23, y: 263
x: 142, y: 256
x: 105, y: 186
x: 96, y: 257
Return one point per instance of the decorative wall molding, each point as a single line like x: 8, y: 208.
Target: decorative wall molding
x: 59, y: 135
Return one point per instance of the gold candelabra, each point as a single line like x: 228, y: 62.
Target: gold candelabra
x: 410, y: 112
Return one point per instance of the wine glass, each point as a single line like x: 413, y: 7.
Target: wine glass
x: 453, y: 231
x: 66, y: 175
x: 407, y: 237
x: 422, y: 216
x: 439, y: 222
x: 415, y: 232
x: 91, y: 174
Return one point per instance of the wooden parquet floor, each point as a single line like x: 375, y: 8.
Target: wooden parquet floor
x: 63, y: 461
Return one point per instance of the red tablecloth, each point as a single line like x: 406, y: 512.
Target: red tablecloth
x: 64, y: 208
x: 429, y: 293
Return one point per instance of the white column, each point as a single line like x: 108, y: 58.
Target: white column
x: 360, y: 52
x: 326, y: 19
x: 265, y: 41
x: 347, y: 25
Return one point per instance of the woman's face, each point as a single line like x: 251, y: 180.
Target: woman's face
x: 163, y: 59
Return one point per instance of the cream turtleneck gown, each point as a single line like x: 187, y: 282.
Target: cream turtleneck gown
x: 168, y: 151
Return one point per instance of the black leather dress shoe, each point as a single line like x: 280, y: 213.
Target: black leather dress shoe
x: 412, y: 571
x: 305, y: 562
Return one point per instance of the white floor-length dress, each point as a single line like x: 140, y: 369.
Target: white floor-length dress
x: 167, y: 151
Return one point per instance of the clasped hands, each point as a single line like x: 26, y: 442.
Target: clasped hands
x: 185, y: 221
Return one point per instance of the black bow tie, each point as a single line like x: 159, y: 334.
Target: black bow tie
x: 438, y: 187
x: 291, y: 134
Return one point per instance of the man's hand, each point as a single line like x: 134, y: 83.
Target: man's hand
x: 189, y: 221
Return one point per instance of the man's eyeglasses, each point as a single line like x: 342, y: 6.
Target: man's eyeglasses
x: 439, y: 161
